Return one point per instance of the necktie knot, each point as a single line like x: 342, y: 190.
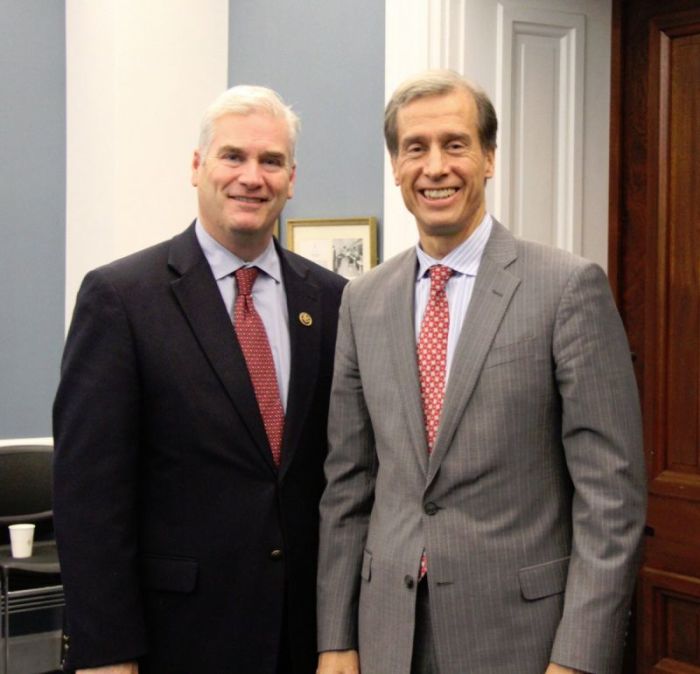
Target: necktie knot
x: 245, y: 278
x: 439, y: 276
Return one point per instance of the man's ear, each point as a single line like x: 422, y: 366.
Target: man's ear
x: 196, y: 165
x: 394, y: 169
x: 292, y: 179
x: 490, y: 163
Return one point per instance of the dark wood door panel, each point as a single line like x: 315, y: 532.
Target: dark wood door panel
x: 674, y: 556
x: 671, y: 625
x: 672, y: 346
x: 655, y: 274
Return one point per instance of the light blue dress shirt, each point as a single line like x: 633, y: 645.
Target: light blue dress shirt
x: 464, y: 261
x: 269, y: 297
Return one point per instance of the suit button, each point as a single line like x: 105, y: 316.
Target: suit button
x: 276, y: 554
x: 408, y: 582
x: 431, y: 508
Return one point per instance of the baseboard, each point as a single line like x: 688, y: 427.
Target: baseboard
x: 6, y: 442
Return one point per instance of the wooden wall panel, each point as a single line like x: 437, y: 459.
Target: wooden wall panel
x: 671, y: 643
x: 655, y: 260
x: 682, y: 53
x: 674, y: 311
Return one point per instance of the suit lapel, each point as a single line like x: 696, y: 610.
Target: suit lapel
x: 400, y: 309
x: 493, y: 290
x: 303, y: 303
x: 198, y: 295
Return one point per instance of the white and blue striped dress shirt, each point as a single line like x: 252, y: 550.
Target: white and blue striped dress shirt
x: 464, y: 261
x: 269, y: 297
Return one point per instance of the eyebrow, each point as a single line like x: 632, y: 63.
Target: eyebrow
x: 408, y: 140
x: 466, y: 138
x: 274, y: 155
x: 225, y: 149
x: 271, y: 154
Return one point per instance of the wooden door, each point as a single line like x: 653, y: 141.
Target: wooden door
x: 655, y: 272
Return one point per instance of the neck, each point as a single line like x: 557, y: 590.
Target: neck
x: 248, y: 250
x: 442, y: 244
x: 246, y: 246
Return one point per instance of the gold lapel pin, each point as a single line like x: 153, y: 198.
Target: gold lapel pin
x: 305, y: 319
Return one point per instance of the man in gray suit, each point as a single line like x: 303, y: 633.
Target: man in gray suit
x: 484, y: 425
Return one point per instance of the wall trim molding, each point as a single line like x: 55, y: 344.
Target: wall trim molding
x: 522, y: 32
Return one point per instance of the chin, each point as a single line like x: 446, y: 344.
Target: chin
x: 442, y: 228
x: 253, y: 228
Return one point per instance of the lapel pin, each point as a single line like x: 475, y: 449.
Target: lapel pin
x: 305, y: 319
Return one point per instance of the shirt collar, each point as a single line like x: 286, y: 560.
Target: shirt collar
x: 224, y: 263
x: 464, y: 259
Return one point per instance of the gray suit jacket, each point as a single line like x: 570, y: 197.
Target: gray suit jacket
x: 531, y: 506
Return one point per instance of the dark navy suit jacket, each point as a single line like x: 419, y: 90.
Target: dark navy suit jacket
x: 181, y: 544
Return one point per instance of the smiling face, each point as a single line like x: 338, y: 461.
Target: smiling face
x: 244, y: 181
x: 442, y: 168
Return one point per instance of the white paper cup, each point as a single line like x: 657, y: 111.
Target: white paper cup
x: 21, y: 540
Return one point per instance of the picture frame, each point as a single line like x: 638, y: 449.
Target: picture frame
x: 347, y: 246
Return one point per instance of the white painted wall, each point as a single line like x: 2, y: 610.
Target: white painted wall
x: 139, y: 75
x: 546, y: 66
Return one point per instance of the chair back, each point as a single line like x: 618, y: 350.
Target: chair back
x: 26, y: 483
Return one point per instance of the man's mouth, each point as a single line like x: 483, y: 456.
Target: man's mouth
x: 248, y: 200
x: 443, y: 193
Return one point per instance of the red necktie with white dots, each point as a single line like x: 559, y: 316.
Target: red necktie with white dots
x: 258, y: 357
x: 432, y: 359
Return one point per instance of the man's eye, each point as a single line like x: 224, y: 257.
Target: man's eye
x: 414, y: 149
x: 456, y: 146
x: 231, y: 157
x: 277, y: 162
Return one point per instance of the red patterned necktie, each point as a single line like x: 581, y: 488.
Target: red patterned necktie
x: 258, y: 357
x: 432, y: 351
x: 432, y: 359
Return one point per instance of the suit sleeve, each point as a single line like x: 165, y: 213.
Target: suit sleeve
x: 601, y: 434
x: 97, y: 435
x: 347, y: 501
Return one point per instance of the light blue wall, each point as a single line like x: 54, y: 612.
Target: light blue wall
x: 326, y: 59
x: 32, y: 198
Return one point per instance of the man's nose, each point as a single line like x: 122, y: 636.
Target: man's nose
x: 434, y: 163
x: 251, y: 173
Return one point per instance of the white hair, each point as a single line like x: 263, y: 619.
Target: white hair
x: 246, y: 99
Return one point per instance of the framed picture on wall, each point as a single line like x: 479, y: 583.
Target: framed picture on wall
x: 347, y: 246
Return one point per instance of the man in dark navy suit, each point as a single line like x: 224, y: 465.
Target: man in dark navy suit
x: 189, y: 449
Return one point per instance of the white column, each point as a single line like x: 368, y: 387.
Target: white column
x: 139, y: 75
x: 407, y: 51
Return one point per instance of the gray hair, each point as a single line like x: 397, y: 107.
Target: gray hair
x: 436, y: 83
x: 246, y: 99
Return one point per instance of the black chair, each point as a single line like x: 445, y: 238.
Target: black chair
x: 26, y: 496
